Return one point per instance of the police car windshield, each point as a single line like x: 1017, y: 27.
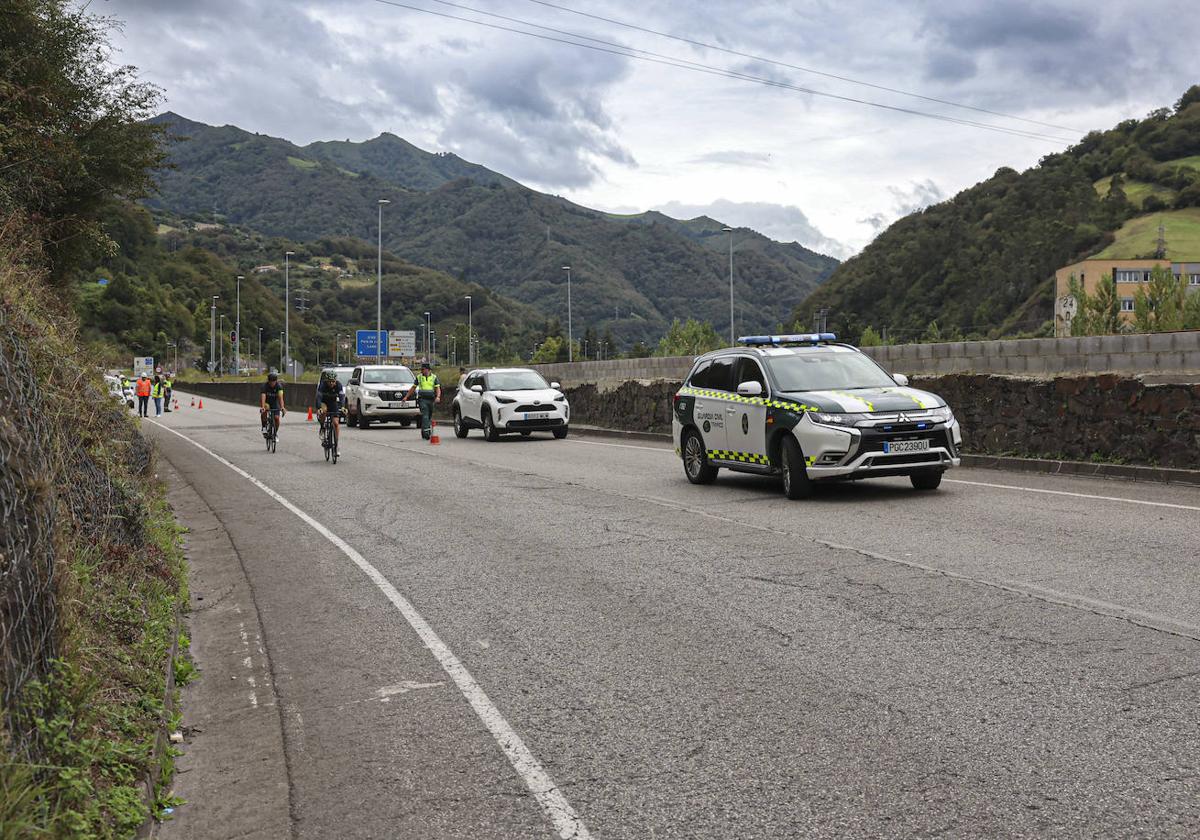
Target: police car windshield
x: 516, y: 380
x: 398, y: 374
x: 825, y: 371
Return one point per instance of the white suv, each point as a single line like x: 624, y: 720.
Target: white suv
x: 375, y: 394
x: 504, y: 400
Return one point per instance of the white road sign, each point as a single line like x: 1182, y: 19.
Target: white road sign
x: 402, y: 342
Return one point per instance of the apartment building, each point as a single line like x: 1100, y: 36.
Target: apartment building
x: 1127, y: 275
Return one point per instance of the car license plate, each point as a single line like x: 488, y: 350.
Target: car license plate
x: 540, y: 415
x: 397, y: 405
x: 892, y: 447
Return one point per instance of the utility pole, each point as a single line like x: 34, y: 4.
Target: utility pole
x: 302, y: 300
x: 287, y: 305
x: 470, y: 333
x: 212, y: 335
x: 570, y: 331
x: 1160, y: 248
x: 260, y: 362
x: 379, y: 287
x: 237, y: 346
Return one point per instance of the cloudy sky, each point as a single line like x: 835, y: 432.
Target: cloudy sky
x: 628, y: 134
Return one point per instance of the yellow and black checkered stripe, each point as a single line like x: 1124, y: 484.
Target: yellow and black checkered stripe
x: 725, y: 396
x: 741, y: 457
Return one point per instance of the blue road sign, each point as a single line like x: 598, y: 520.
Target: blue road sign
x: 369, y: 343
x: 103, y: 281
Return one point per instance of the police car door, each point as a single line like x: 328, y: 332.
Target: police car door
x: 708, y: 411
x: 747, y: 417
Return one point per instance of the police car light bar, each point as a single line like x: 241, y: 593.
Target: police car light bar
x: 776, y: 340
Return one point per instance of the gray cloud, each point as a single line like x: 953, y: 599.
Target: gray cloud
x: 735, y: 157
x: 782, y: 222
x: 916, y: 196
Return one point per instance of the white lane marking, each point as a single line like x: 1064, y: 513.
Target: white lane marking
x: 554, y: 803
x: 1075, y: 495
x: 960, y: 481
x: 386, y: 693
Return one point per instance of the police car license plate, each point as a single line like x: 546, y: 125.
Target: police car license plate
x: 398, y: 405
x: 539, y: 415
x: 893, y: 447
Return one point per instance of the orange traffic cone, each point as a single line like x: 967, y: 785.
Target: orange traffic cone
x: 434, y: 438
x: 201, y: 403
x: 309, y: 414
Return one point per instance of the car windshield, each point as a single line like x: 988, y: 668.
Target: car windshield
x: 827, y: 371
x: 516, y: 380
x: 389, y: 375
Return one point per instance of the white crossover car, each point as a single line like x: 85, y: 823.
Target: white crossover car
x: 507, y: 400
x: 376, y: 394
x: 808, y: 409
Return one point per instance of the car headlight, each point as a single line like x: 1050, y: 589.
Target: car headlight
x: 839, y: 418
x: 560, y: 398
x: 505, y: 400
x: 942, y: 415
x: 367, y: 392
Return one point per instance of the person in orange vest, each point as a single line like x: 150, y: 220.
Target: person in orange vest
x: 143, y: 394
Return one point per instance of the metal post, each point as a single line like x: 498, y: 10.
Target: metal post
x: 379, y: 287
x: 281, y: 352
x: 729, y: 230
x: 222, y: 337
x: 287, y: 305
x: 237, y: 347
x: 570, y: 330
x: 470, y: 334
x: 212, y: 336
x: 260, y: 364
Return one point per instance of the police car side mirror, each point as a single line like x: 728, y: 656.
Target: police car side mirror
x: 750, y: 389
x: 478, y: 389
x: 900, y: 378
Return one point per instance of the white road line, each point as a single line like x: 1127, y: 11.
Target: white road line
x: 1075, y: 495
x: 626, y: 446
x: 566, y: 822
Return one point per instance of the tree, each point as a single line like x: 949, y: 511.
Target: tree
x: 870, y: 338
x: 689, y: 339
x: 73, y: 135
x: 640, y: 350
x: 1098, y: 314
x: 1161, y: 305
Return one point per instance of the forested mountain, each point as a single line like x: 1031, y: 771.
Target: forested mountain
x: 630, y: 275
x: 982, y: 262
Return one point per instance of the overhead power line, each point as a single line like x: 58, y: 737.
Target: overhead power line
x: 815, y: 72
x: 599, y: 45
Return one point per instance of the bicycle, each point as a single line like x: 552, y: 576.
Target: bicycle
x: 271, y: 435
x: 329, y: 438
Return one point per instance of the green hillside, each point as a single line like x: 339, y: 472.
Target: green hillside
x: 631, y: 275
x: 982, y: 262
x: 1138, y: 237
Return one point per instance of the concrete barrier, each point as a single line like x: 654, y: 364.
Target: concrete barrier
x: 1158, y: 354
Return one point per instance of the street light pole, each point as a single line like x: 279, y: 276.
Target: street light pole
x: 470, y: 333
x: 570, y: 330
x: 281, y: 352
x: 729, y: 230
x: 287, y: 310
x: 222, y: 337
x: 212, y: 335
x: 260, y: 364
x: 237, y: 347
x: 379, y: 286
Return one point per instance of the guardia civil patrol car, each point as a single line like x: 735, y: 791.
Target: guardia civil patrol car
x: 809, y: 409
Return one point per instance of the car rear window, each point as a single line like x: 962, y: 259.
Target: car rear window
x: 699, y: 379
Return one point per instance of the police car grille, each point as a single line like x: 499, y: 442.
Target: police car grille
x: 391, y: 395
x: 534, y: 408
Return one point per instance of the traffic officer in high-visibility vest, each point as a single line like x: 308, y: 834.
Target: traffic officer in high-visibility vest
x: 429, y: 391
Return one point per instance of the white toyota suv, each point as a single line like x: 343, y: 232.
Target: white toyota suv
x: 375, y: 394
x: 504, y: 400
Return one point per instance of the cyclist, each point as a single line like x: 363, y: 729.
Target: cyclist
x: 331, y: 396
x: 271, y: 402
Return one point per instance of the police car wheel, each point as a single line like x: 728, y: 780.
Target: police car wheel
x: 796, y: 484
x: 460, y: 428
x: 695, y: 462
x: 560, y: 433
x: 405, y: 423
x: 926, y: 479
x: 490, y: 432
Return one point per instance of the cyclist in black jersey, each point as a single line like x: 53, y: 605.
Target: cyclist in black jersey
x: 271, y: 402
x: 330, y: 398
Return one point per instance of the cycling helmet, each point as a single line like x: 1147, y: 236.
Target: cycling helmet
x: 272, y: 376
x: 328, y: 374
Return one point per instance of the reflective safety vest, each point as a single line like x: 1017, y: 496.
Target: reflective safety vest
x: 156, y: 390
x: 427, y: 385
x: 143, y: 387
x: 168, y: 384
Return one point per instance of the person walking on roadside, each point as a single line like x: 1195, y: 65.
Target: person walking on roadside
x: 168, y: 387
x: 143, y: 394
x: 156, y: 391
x: 429, y: 391
x: 271, y: 403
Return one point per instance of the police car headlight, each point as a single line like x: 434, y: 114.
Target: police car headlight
x: 367, y: 392
x: 942, y: 415
x: 840, y: 419
x: 505, y: 400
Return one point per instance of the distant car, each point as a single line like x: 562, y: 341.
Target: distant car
x: 808, y: 409
x: 506, y: 400
x: 120, y: 393
x: 375, y: 394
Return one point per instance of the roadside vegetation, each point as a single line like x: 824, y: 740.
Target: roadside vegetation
x: 92, y: 573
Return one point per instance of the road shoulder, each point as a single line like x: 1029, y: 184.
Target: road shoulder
x: 232, y: 774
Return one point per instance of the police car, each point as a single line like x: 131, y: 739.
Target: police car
x: 809, y: 409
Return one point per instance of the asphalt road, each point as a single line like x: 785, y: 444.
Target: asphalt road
x: 1012, y: 655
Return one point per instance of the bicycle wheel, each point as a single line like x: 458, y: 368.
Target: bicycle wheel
x: 326, y: 445
x: 335, y: 450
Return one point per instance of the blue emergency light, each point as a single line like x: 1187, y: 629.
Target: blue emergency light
x: 779, y: 340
